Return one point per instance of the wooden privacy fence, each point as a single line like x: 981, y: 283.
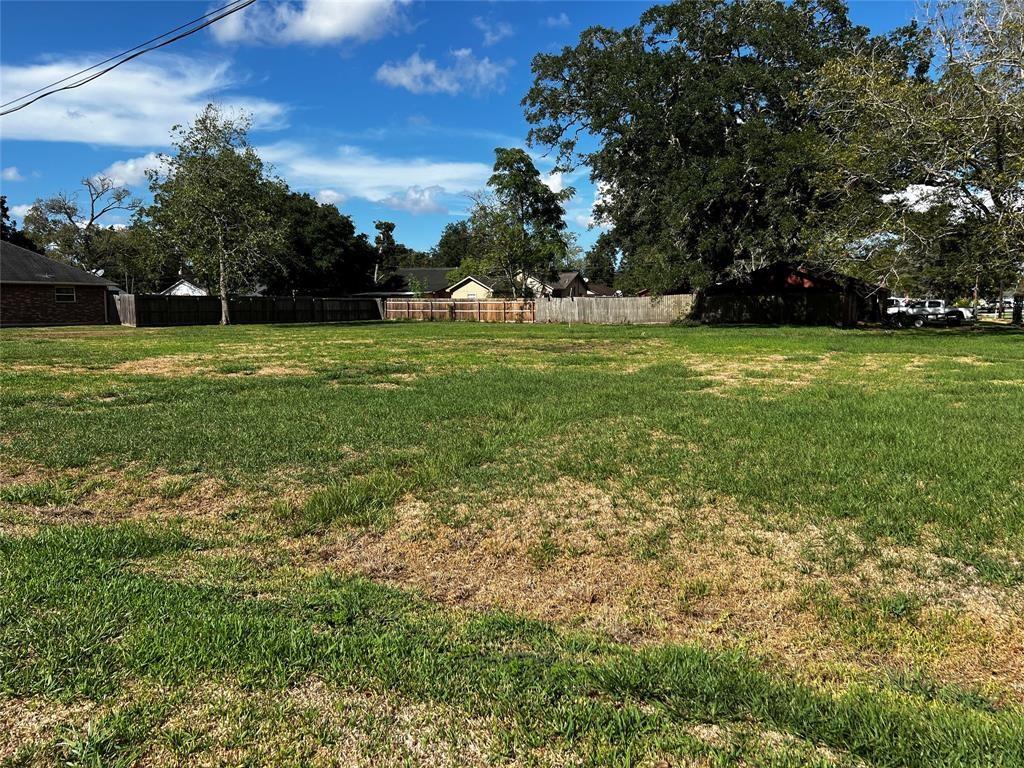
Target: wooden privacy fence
x: 615, y: 310
x: 139, y: 310
x: 483, y: 311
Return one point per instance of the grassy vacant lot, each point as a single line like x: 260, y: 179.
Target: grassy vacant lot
x: 444, y: 544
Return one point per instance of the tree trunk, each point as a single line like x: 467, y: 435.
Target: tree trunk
x: 225, y: 319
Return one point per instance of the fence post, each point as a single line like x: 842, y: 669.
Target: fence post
x: 478, y: 311
x: 431, y: 305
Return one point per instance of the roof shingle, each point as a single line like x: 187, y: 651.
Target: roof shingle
x: 20, y: 265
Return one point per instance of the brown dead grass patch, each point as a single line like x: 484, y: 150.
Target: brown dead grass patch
x: 180, y: 366
x: 575, y: 555
x: 30, y: 722
x: 777, y: 370
x: 170, y: 366
x: 111, y: 495
x: 313, y: 723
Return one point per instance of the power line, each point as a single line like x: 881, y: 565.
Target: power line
x: 123, y: 58
x: 123, y: 53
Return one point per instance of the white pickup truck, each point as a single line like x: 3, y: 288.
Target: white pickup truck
x: 921, y: 312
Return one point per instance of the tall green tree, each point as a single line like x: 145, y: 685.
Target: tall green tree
x: 599, y: 262
x: 215, y: 205
x: 9, y: 228
x: 924, y: 157
x: 387, y: 250
x: 692, y: 124
x: 518, y: 227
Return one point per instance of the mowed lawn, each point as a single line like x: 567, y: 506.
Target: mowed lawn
x: 460, y: 544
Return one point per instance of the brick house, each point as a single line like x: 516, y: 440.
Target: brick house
x: 36, y: 290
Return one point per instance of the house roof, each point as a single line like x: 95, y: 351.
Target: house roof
x: 475, y: 279
x: 564, y: 280
x: 20, y: 265
x: 600, y: 289
x: 429, y: 279
x: 181, y: 281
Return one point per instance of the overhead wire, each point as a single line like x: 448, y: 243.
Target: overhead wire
x: 192, y: 27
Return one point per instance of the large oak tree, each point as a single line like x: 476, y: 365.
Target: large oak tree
x: 692, y: 123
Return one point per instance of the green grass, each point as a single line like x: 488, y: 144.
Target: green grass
x: 870, y: 476
x: 75, y: 620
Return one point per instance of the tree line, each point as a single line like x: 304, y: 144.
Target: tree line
x: 723, y: 136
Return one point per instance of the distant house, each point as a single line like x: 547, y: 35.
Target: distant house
x: 567, y: 284
x: 600, y: 289
x: 791, y: 294
x: 471, y: 287
x: 37, y: 290
x: 183, y: 287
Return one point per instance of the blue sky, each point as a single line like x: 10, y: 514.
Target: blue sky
x: 389, y: 109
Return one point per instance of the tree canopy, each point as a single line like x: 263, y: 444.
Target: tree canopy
x: 322, y: 254
x: 9, y: 228
x: 692, y: 123
x: 454, y: 246
x: 68, y: 226
x: 927, y: 164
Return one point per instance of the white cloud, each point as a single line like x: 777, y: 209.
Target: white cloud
x: 419, y: 75
x: 352, y: 171
x: 554, y: 181
x: 132, y: 172
x: 494, y: 32
x: 331, y: 197
x: 20, y: 210
x: 418, y: 200
x: 561, y: 20
x: 316, y: 22
x: 11, y: 174
x: 132, y: 106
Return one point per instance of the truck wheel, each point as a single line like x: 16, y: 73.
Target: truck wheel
x: 918, y: 322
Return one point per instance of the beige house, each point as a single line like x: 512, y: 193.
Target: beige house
x: 470, y: 288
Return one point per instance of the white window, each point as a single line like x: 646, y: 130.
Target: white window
x: 471, y: 295
x: 64, y: 294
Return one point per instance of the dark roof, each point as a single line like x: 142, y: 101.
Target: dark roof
x: 564, y: 280
x: 20, y: 265
x: 600, y: 289
x: 428, y: 279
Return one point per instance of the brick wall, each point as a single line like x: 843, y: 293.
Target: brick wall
x: 37, y: 305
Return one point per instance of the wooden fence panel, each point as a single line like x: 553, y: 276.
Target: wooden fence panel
x: 482, y: 311
x: 615, y: 310
x: 141, y: 310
